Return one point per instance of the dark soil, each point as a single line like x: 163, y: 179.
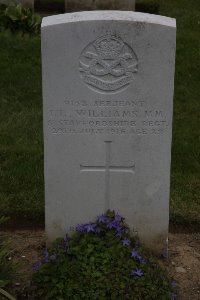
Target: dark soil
x: 183, y: 264
x: 184, y: 256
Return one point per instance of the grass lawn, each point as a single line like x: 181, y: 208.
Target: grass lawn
x: 185, y: 178
x: 21, y: 149
x: 21, y: 146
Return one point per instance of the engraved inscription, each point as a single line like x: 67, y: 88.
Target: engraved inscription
x: 108, y: 64
x: 107, y: 168
x: 115, y: 117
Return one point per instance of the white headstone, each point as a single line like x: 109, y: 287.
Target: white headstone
x: 108, y: 80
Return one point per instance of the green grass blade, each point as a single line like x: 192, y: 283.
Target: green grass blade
x: 6, y: 294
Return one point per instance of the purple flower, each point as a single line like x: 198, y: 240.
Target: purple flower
x: 117, y: 225
x: 173, y: 283
x: 173, y: 295
x: 119, y: 231
x: 46, y: 256
x: 80, y: 228
x: 141, y: 259
x: 125, y: 242
x: 37, y: 266
x: 111, y: 225
x: 86, y: 227
x: 137, y: 272
x: 102, y: 219
x: 134, y: 253
x: 119, y: 228
x: 53, y: 257
x: 118, y: 218
x: 90, y: 227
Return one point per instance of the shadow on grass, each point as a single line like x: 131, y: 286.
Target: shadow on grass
x: 150, y: 8
x: 50, y: 6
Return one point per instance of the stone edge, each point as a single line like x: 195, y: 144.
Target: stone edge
x: 110, y: 15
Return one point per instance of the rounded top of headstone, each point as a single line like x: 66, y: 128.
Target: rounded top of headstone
x: 110, y: 15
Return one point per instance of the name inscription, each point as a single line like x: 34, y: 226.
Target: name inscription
x: 107, y: 117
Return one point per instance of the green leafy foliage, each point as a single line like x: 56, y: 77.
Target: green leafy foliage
x: 99, y: 261
x: 19, y: 19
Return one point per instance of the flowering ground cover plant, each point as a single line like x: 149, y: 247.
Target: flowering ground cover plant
x: 100, y: 261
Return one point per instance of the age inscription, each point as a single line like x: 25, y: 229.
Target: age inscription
x: 107, y: 117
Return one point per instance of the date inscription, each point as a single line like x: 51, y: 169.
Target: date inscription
x: 107, y: 117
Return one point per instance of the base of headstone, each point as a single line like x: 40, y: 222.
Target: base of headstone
x: 79, y: 5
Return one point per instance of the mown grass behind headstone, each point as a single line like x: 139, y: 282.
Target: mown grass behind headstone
x: 21, y: 148
x: 185, y: 179
x: 185, y: 175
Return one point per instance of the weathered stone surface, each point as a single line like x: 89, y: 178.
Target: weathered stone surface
x: 108, y: 82
x: 78, y: 5
x: 24, y: 3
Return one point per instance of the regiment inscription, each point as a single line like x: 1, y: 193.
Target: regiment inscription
x: 107, y: 117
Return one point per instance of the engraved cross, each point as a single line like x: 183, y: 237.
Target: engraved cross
x: 108, y: 168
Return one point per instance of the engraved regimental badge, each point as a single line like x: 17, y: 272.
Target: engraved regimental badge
x: 108, y: 64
